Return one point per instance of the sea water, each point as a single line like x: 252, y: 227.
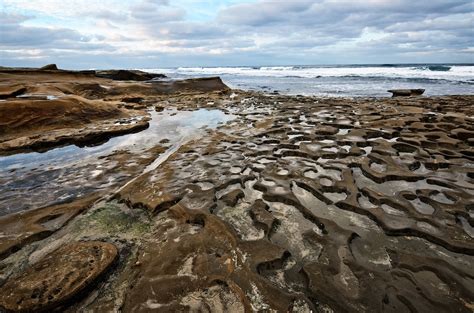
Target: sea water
x: 339, y: 80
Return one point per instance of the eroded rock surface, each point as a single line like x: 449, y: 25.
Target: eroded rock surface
x: 367, y: 205
x: 17, y: 230
x: 297, y: 204
x: 57, y: 278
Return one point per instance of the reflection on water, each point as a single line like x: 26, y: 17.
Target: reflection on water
x: 30, y: 180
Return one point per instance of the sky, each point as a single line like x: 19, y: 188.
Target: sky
x: 85, y: 34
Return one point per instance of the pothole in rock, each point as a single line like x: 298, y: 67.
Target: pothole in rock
x: 343, y: 132
x: 283, y: 172
x: 391, y: 188
x: 313, y: 147
x: 466, y: 226
x: 427, y: 227
x: 325, y: 182
x: 311, y: 174
x: 347, y: 219
x: 365, y: 203
x: 290, y: 232
x: 335, y: 196
x: 235, y: 170
x: 441, y: 198
x: 378, y: 167
x: 333, y: 149
x: 266, y: 161
x: 240, y: 220
x: 392, y: 211
x: 205, y: 185
x: 422, y: 207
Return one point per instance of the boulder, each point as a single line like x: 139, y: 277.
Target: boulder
x: 406, y: 92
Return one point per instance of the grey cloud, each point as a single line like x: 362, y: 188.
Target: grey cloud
x: 154, y: 12
x: 15, y: 36
x: 264, y: 31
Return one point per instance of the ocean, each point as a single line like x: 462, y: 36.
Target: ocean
x: 338, y: 80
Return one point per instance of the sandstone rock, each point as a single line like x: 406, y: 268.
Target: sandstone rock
x: 58, y: 278
x: 41, y: 124
x: 231, y: 198
x: 11, y: 91
x: 26, y: 227
x: 132, y: 99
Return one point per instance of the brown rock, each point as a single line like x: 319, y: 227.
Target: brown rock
x: 57, y: 278
x: 40, y: 124
x: 231, y: 198
x: 132, y: 99
x: 25, y: 227
x: 261, y: 217
x: 11, y: 91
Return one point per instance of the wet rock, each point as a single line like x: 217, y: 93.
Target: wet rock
x: 11, y: 91
x: 301, y: 204
x: 23, y: 228
x: 40, y: 124
x: 135, y: 75
x: 203, y: 265
x: 132, y: 99
x: 58, y: 278
x: 406, y: 92
x: 261, y: 217
x: 232, y: 197
x: 206, y: 84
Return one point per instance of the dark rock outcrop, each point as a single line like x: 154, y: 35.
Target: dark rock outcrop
x: 128, y: 75
x: 49, y: 67
x: 406, y: 92
x: 205, y: 84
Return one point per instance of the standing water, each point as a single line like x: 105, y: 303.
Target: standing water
x: 31, y: 180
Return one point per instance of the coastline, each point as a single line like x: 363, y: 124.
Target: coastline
x: 286, y: 203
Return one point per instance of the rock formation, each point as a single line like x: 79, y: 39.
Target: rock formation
x: 296, y: 204
x: 406, y: 92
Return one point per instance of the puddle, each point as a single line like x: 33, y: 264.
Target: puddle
x: 30, y: 180
x: 37, y: 96
x: 391, y: 210
x: 466, y: 226
x: 335, y: 196
x: 391, y: 188
x: 422, y: 207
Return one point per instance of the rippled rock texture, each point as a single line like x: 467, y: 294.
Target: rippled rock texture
x: 348, y: 205
x: 297, y: 204
x: 58, y: 277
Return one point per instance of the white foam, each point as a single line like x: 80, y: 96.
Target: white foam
x: 456, y: 73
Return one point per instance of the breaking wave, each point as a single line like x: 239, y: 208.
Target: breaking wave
x: 457, y: 73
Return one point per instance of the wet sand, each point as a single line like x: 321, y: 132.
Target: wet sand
x: 235, y: 201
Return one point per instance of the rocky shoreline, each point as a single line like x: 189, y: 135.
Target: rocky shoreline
x: 289, y: 203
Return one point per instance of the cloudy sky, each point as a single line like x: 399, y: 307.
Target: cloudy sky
x: 168, y: 33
